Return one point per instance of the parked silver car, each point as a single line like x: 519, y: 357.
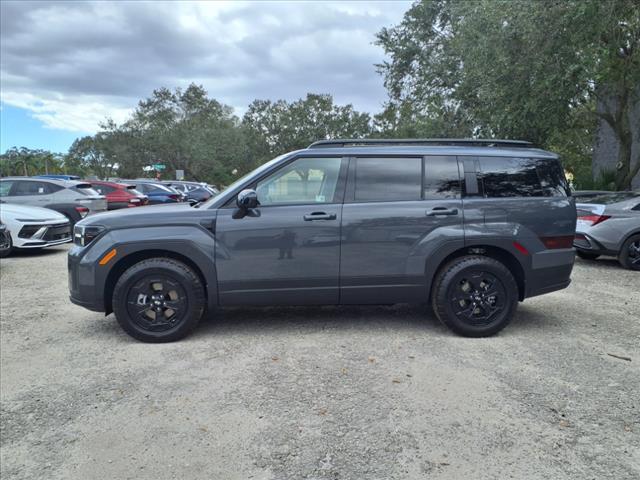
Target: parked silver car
x: 610, y: 225
x: 71, y: 198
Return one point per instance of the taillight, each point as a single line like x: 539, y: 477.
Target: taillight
x: 175, y: 197
x: 83, y: 211
x: 564, y: 241
x: 594, y: 219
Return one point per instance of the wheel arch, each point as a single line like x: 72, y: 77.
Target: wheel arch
x: 505, y: 257
x: 137, y: 256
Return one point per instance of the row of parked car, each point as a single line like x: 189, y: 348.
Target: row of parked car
x: 41, y: 211
x: 608, y: 225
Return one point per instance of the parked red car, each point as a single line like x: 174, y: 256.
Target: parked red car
x: 120, y: 195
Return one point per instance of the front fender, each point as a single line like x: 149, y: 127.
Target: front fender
x: 88, y: 279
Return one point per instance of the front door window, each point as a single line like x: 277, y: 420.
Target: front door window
x: 304, y: 181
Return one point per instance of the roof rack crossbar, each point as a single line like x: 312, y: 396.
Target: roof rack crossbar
x: 465, y: 142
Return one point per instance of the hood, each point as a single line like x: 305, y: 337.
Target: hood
x: 150, y: 215
x: 25, y: 212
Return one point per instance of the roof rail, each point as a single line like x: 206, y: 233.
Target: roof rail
x: 461, y: 142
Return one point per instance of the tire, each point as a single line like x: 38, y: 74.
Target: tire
x: 7, y: 251
x: 629, y: 256
x: 151, y: 288
x: 587, y: 255
x: 475, y: 296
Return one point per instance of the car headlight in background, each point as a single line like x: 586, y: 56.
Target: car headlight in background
x: 84, y: 235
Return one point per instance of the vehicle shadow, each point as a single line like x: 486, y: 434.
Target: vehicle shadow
x: 36, y: 252
x: 229, y: 321
x: 602, y: 262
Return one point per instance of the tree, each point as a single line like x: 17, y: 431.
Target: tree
x: 518, y: 69
x: 279, y: 127
x: 24, y: 161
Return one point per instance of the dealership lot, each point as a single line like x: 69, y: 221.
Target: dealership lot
x: 321, y: 393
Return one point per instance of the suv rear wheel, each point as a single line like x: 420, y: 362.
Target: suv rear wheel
x: 475, y: 296
x: 158, y: 300
x: 630, y: 253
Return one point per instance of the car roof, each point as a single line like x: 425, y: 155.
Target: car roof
x: 56, y: 181
x: 108, y: 182
x: 398, y: 150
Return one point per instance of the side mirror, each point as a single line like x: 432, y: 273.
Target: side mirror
x: 247, y: 199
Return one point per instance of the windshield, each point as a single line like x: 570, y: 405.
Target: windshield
x: 243, y: 179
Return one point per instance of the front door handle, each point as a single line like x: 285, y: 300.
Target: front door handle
x: 442, y: 211
x: 319, y: 216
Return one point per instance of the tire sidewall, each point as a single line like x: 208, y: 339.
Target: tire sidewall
x: 179, y: 272
x: 446, y: 281
x: 6, y: 252
x: 624, y: 259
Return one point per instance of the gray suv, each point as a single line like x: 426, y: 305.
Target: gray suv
x: 71, y: 198
x: 469, y: 226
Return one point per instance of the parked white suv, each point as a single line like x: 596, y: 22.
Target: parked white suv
x: 34, y: 227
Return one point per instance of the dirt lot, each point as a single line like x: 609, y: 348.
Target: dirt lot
x: 321, y: 393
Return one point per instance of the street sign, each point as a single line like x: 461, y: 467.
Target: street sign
x: 179, y: 174
x: 159, y: 166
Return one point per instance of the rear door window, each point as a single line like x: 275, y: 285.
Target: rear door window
x: 388, y: 179
x: 441, y: 178
x: 30, y: 187
x: 521, y: 177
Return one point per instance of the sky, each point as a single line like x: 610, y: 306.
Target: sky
x: 65, y: 67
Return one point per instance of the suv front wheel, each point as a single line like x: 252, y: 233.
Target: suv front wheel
x: 475, y: 296
x: 158, y: 300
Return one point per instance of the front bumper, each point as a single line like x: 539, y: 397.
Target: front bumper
x: 82, y: 281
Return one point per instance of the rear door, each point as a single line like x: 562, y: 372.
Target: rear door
x: 398, y: 212
x: 29, y: 192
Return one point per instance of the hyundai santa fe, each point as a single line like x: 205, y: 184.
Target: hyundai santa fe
x: 470, y: 226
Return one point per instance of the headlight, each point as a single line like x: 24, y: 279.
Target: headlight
x: 84, y: 235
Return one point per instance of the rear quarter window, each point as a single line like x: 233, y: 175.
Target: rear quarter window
x: 521, y: 177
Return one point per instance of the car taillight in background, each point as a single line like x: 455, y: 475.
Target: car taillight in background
x: 83, y: 211
x: 174, y: 196
x: 594, y: 219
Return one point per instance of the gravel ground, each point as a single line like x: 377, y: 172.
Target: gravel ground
x: 321, y: 393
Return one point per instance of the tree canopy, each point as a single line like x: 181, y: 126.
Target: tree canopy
x: 517, y: 69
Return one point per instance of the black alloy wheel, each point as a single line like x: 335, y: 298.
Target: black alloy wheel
x: 159, y: 300
x: 475, y: 296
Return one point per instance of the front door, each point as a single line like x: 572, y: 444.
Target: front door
x: 286, y: 251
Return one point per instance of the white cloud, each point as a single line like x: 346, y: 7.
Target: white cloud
x: 75, y: 64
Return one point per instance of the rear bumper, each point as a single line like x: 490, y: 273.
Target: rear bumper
x: 551, y: 271
x: 586, y: 243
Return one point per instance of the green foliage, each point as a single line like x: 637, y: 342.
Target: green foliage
x: 279, y: 127
x: 516, y: 69
x: 23, y: 161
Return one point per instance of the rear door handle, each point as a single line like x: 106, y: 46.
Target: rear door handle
x: 319, y: 216
x: 442, y: 211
